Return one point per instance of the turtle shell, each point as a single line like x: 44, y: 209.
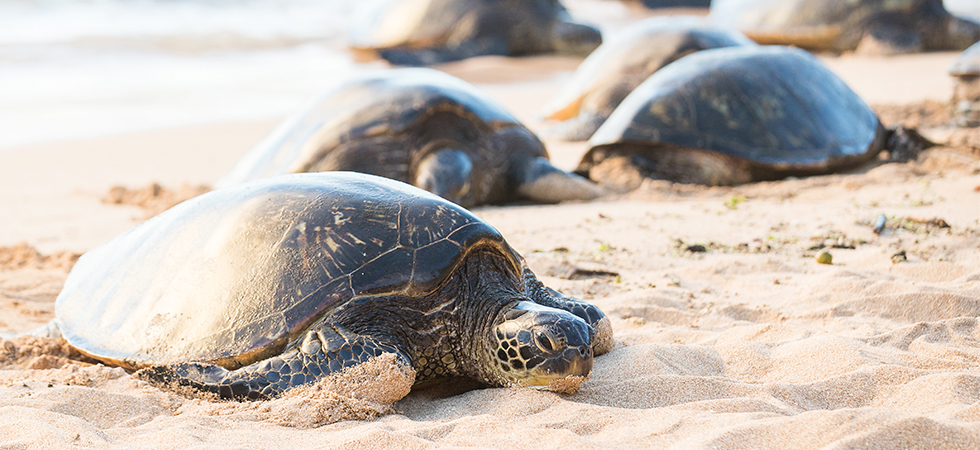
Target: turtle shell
x: 607, y: 75
x: 776, y: 107
x: 234, y: 275
x: 384, y: 103
x: 826, y: 25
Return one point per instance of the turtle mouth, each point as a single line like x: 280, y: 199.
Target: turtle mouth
x: 573, y: 362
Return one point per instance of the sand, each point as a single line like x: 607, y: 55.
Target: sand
x: 728, y: 333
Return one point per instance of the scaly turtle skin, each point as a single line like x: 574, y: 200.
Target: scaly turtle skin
x: 619, y: 65
x: 251, y: 290
x: 422, y: 127
x: 733, y: 115
x: 424, y: 32
x: 871, y: 26
x: 966, y: 94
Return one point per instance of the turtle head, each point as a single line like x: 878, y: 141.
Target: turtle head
x: 572, y: 38
x: 533, y: 345
x: 446, y: 173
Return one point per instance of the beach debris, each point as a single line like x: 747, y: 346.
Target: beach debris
x: 835, y: 239
x: 899, y: 257
x: 825, y: 258
x: 733, y: 201
x: 578, y: 273
x: 920, y: 225
x: 879, y: 225
x: 264, y: 323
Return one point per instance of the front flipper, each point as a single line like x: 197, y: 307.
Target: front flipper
x: 538, y: 180
x: 324, y: 351
x: 438, y: 55
x: 602, y: 342
x: 884, y: 39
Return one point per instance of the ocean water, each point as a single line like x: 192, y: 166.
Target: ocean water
x: 81, y: 68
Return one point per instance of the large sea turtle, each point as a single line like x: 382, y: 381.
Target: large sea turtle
x: 966, y: 94
x: 424, y: 32
x: 420, y: 126
x: 872, y: 26
x: 250, y: 290
x: 733, y: 115
x: 654, y: 4
x: 620, y: 64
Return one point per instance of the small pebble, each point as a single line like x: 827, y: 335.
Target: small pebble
x: 825, y: 258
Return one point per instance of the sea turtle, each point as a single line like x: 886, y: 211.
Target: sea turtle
x: 655, y: 4
x: 420, y: 126
x: 253, y: 289
x: 966, y: 94
x: 869, y: 26
x: 733, y: 115
x: 424, y: 32
x: 619, y: 65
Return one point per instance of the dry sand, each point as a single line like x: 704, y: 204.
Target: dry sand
x: 728, y: 333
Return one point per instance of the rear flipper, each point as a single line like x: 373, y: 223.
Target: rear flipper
x: 324, y: 351
x: 578, y: 128
x: 538, y: 180
x: 602, y: 341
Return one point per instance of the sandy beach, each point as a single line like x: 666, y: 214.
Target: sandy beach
x: 728, y: 333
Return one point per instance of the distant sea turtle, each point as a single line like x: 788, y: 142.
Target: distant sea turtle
x: 733, y: 115
x: 420, y: 126
x: 966, y: 93
x: 654, y: 4
x: 251, y: 290
x: 424, y: 32
x: 869, y: 26
x: 619, y: 65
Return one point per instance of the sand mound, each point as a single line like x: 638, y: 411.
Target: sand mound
x: 154, y: 198
x: 363, y: 392
x: 24, y: 256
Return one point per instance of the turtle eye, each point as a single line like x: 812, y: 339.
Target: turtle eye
x: 544, y: 341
